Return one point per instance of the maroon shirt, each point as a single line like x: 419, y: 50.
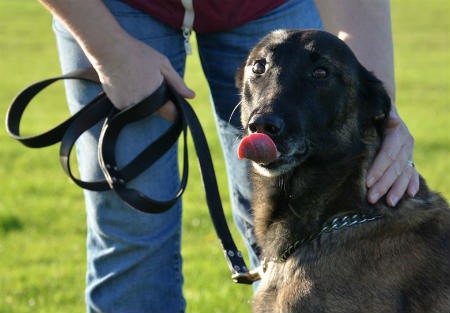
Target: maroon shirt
x: 210, y: 15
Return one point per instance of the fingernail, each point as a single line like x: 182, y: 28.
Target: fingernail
x: 393, y: 201
x: 370, y: 181
x: 413, y: 193
x: 373, y: 197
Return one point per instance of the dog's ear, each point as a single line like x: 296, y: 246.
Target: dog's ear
x: 377, y: 103
x: 238, y: 78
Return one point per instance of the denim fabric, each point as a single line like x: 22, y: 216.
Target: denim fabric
x: 133, y: 259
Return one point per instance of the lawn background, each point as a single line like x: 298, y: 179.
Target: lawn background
x: 42, y: 221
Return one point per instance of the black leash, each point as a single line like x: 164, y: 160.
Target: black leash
x: 101, y: 108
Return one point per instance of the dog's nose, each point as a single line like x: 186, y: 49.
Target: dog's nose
x: 269, y: 124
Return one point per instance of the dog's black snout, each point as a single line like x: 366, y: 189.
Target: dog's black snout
x: 269, y: 124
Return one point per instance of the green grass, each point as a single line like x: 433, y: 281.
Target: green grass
x: 42, y: 221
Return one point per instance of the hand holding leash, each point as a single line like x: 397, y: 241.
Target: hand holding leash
x: 134, y: 69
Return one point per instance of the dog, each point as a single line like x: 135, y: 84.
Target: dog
x: 324, y: 247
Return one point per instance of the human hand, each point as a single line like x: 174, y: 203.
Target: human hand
x: 133, y: 71
x: 393, y: 172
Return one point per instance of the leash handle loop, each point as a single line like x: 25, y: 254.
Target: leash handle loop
x: 17, y: 108
x: 116, y: 178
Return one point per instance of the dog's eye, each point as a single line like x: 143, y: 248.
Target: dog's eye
x: 259, y: 67
x: 320, y: 73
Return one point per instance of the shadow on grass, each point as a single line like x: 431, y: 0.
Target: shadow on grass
x: 10, y: 223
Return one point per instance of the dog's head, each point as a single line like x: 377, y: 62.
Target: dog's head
x: 307, y: 91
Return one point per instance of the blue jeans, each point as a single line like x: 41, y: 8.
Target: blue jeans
x: 133, y: 259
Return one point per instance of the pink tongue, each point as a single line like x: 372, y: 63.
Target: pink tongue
x: 258, y: 147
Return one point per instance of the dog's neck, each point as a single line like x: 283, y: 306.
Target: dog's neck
x: 296, y: 205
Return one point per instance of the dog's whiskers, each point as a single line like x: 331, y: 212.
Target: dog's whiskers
x: 282, y: 183
x: 294, y: 212
x: 237, y: 139
x: 234, y: 111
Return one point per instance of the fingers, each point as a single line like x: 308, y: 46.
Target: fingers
x: 174, y: 80
x: 169, y: 111
x: 394, y: 183
x: 414, y: 184
x: 388, y: 153
x: 391, y: 174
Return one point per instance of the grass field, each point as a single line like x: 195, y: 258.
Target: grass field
x: 42, y: 221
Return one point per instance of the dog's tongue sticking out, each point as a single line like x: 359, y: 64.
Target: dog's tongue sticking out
x: 258, y: 147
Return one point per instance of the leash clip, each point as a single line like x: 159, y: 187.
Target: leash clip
x: 239, y: 271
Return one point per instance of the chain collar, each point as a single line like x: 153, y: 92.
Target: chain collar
x: 336, y: 224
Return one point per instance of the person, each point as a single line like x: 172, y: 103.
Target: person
x: 134, y: 259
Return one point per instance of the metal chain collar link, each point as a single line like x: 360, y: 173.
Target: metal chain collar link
x: 336, y: 224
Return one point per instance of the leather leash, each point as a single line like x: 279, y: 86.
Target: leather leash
x: 101, y: 108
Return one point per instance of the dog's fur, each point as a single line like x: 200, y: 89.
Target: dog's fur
x: 327, y: 113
